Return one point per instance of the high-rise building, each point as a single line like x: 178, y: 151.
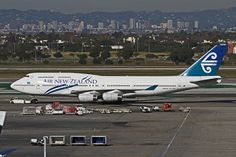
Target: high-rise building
x: 41, y: 26
x: 7, y: 27
x: 24, y: 27
x: 169, y: 24
x: 81, y: 26
x: 147, y: 25
x: 131, y: 23
x: 180, y: 25
x: 117, y: 25
x: 164, y: 25
x: 54, y: 25
x: 124, y: 26
x: 89, y: 27
x: 186, y: 25
x: 196, y: 25
x: 71, y: 25
x: 113, y: 24
x: 214, y: 27
x: 138, y: 25
x: 100, y: 25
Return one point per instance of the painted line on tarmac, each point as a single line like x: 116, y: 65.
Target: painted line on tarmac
x: 176, y: 133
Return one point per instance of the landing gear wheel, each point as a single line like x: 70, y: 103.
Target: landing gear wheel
x: 34, y: 101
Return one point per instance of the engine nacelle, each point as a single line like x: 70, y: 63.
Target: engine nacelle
x: 87, y: 97
x: 110, y: 97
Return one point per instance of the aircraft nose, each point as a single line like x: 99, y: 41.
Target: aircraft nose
x: 13, y: 85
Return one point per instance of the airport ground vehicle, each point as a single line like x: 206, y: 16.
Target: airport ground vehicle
x: 36, y: 142
x: 34, y: 101
x: 75, y: 140
x: 19, y: 101
x: 22, y: 101
x: 156, y: 108
x: 167, y: 107
x: 145, y: 109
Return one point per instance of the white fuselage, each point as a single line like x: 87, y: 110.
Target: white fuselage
x: 76, y: 83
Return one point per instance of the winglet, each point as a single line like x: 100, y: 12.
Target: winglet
x: 152, y: 87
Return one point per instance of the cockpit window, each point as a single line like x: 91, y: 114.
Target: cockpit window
x: 27, y: 75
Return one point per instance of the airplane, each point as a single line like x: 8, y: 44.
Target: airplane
x: 2, y: 119
x: 4, y: 153
x: 92, y: 88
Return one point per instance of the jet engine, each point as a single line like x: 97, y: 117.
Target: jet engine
x: 111, y: 97
x: 87, y: 97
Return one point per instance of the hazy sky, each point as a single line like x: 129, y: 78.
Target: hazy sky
x: 70, y: 6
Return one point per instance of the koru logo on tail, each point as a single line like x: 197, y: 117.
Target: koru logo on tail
x: 208, y: 62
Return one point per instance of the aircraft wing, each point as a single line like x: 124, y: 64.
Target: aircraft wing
x: 6, y: 152
x: 226, y: 85
x: 212, y: 83
x: 125, y: 93
x: 101, y: 91
x: 5, y: 85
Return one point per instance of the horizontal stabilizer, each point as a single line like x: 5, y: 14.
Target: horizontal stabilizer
x: 206, y: 82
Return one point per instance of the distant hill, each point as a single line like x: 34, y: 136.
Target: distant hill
x: 222, y: 18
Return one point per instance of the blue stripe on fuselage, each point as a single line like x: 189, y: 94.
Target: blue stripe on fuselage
x: 55, y: 87
x: 61, y: 89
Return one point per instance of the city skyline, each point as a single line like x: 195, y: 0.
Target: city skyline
x: 73, y: 6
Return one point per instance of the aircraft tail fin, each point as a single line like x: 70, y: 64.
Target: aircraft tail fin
x: 208, y: 64
x: 2, y: 119
x: 7, y: 151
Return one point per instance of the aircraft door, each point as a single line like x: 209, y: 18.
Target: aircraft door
x: 38, y: 86
x: 178, y: 85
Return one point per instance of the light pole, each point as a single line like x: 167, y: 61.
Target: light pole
x: 137, y: 45
x: 35, y: 55
x: 45, y: 146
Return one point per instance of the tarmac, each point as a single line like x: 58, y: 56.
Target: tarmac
x: 208, y: 130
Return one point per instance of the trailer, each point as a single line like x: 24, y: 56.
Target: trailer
x: 57, y: 106
x: 185, y: 110
x: 29, y: 110
x: 77, y: 140
x: 48, y: 109
x: 122, y: 110
x: 167, y: 107
x: 57, y: 140
x: 99, y: 140
x: 39, y: 110
x: 69, y: 109
x: 57, y: 112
